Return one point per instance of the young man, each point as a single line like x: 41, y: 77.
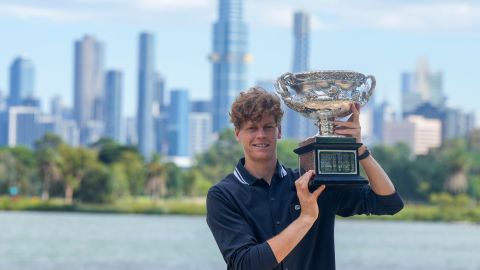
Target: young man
x: 263, y: 217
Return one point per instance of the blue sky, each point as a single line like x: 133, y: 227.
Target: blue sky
x: 379, y: 37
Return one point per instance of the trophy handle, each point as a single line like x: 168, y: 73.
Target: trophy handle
x: 372, y: 85
x: 365, y: 95
x: 281, y: 84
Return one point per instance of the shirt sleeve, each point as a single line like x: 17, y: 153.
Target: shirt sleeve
x: 357, y: 200
x: 235, y: 237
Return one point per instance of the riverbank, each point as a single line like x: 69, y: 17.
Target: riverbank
x: 196, y: 206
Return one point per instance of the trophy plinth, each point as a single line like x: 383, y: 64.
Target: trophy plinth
x: 334, y: 161
x: 323, y: 96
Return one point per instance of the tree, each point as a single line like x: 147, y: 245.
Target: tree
x: 48, y: 160
x: 221, y: 158
x: 75, y: 165
x: 24, y: 169
x: 156, y: 178
x: 133, y: 167
x: 96, y: 186
x: 285, y: 153
x: 8, y: 173
x: 454, y: 156
x: 109, y: 151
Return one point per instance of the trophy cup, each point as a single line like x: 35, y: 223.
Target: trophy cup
x: 324, y: 96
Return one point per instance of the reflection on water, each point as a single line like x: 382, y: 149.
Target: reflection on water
x: 57, y: 241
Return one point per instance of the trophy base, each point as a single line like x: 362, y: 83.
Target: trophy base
x: 334, y: 160
x: 335, y: 180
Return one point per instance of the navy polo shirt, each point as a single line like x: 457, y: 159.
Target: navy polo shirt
x: 243, y: 212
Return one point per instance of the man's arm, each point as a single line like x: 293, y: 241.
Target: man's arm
x: 361, y: 200
x: 377, y: 177
x: 283, y: 243
x: 234, y: 236
x: 379, y: 180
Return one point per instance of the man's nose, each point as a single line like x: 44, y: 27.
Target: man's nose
x: 261, y: 132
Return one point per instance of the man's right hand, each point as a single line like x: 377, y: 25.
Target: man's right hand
x: 308, y: 200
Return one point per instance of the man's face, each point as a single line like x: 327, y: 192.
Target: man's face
x: 259, y: 139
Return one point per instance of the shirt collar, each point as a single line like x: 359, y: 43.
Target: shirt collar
x: 244, y: 177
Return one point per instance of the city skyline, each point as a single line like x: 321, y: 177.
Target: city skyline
x: 384, y: 40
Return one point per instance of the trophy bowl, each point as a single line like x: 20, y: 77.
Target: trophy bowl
x: 325, y: 95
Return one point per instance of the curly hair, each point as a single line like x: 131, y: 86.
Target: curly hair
x: 252, y: 104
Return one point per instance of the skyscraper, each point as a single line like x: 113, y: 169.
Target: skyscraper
x: 229, y: 58
x: 421, y: 86
x: 113, y: 104
x: 88, y: 87
x: 21, y: 81
x: 178, y: 127
x: 146, y: 80
x: 160, y: 115
x: 22, y: 125
x: 200, y: 126
x: 296, y: 126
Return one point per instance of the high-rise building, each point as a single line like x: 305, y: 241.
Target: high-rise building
x: 178, y: 123
x: 113, y: 104
x: 146, y: 80
x: 3, y: 101
x: 88, y: 88
x: 419, y: 133
x: 420, y: 87
x: 21, y: 81
x: 229, y: 59
x: 160, y: 115
x: 201, y: 136
x: 131, y: 137
x: 296, y: 126
x: 22, y: 126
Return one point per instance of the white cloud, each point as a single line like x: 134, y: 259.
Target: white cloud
x: 442, y: 16
x: 436, y: 17
x: 447, y: 16
x: 174, y: 4
x: 33, y: 12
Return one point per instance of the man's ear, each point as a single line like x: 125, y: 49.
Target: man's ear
x: 237, y: 131
x: 279, y: 136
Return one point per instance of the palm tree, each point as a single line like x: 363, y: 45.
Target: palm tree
x: 156, y: 181
x: 75, y: 165
x: 48, y: 160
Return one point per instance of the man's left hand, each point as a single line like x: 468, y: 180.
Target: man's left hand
x: 351, y: 128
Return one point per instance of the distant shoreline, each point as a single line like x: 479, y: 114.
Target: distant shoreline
x: 196, y: 206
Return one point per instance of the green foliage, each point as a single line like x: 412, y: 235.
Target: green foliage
x: 96, y: 186
x: 133, y: 166
x: 220, y: 159
x: 49, y: 160
x: 285, y: 153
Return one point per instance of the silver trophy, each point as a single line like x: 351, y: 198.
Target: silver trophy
x: 324, y: 96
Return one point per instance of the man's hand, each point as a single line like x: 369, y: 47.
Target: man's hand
x: 308, y: 200
x: 351, y: 128
x: 283, y: 243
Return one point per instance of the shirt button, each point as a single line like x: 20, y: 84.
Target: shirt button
x: 272, y: 199
x: 278, y: 222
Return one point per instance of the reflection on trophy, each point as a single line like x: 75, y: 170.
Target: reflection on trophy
x: 324, y: 96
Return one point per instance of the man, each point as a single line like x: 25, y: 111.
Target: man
x: 263, y: 217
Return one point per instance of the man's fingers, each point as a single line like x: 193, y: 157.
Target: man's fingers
x: 304, y: 179
x: 346, y: 124
x: 356, y: 112
x: 318, y: 191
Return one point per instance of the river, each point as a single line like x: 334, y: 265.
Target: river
x: 73, y: 241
